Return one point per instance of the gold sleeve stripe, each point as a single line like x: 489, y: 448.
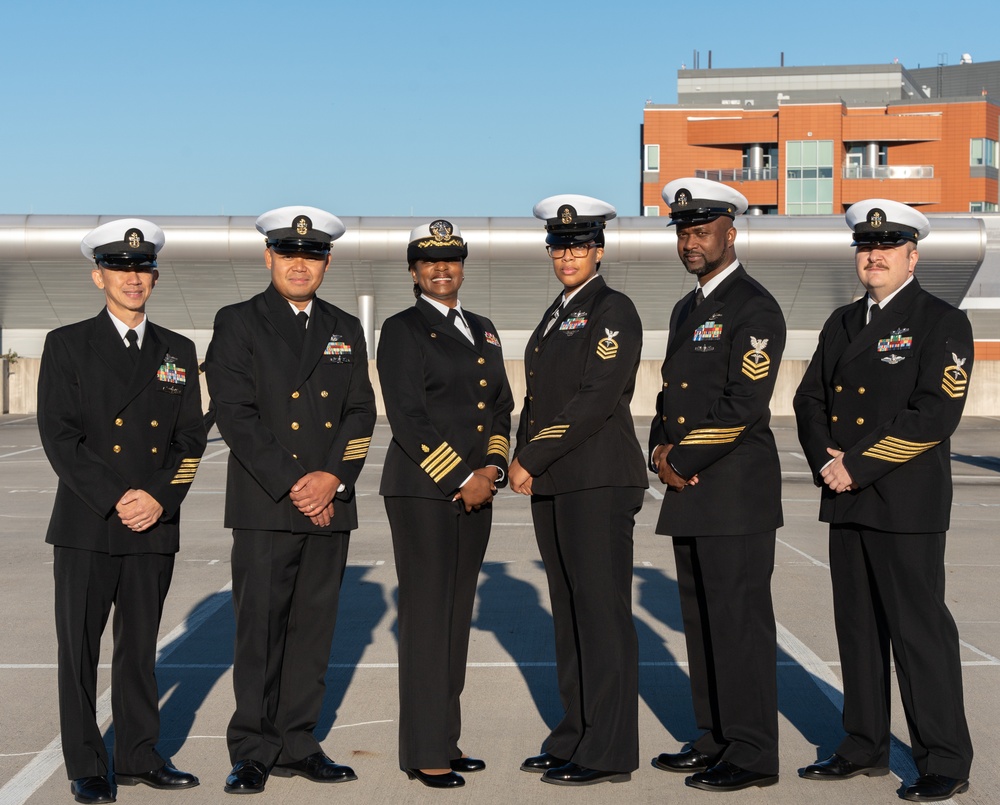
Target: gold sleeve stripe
x: 551, y: 432
x: 499, y: 445
x: 896, y: 450
x: 439, y: 463
x: 357, y: 448
x: 705, y: 436
x: 954, y: 382
x: 185, y: 473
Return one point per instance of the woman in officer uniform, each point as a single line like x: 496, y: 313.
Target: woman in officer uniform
x: 578, y: 457
x: 448, y: 403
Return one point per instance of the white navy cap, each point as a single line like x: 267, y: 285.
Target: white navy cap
x: 699, y: 201
x: 292, y: 230
x: 436, y: 240
x: 125, y: 243
x: 571, y: 218
x: 886, y: 222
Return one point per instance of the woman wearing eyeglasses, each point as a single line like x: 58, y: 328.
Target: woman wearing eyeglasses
x: 578, y: 458
x: 448, y: 403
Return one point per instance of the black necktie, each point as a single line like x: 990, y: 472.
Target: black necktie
x: 699, y: 297
x: 556, y: 315
x: 303, y: 319
x: 873, y: 312
x: 133, y: 345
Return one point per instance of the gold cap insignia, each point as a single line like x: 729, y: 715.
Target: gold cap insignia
x: 134, y: 238
x: 682, y: 196
x: 441, y: 230
x: 567, y: 214
x: 876, y: 218
x: 303, y: 225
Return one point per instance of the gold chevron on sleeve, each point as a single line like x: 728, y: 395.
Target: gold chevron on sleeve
x: 440, y: 462
x: 551, y: 432
x: 756, y: 365
x: 954, y: 381
x: 357, y: 449
x: 897, y: 450
x: 185, y: 472
x: 498, y: 445
x: 706, y: 436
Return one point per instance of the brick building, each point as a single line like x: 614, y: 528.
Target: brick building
x: 813, y: 140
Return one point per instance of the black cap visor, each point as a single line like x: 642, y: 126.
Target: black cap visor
x: 894, y: 237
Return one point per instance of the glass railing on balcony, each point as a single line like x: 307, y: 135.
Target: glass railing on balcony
x: 739, y: 174
x: 888, y: 172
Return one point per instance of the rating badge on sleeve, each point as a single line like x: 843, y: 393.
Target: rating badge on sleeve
x: 756, y: 362
x: 607, y: 347
x: 955, y: 379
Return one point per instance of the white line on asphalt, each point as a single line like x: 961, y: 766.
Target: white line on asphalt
x: 655, y: 494
x: 900, y: 759
x: 33, y: 776
x: 993, y: 660
x: 812, y: 559
x: 216, y: 453
x: 19, y: 452
x: 15, y: 421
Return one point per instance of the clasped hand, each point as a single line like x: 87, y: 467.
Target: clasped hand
x: 313, y: 495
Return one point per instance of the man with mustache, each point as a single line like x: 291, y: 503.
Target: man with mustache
x: 875, y: 410
x: 712, y: 446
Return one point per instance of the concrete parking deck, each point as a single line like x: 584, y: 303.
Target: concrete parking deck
x: 511, y: 694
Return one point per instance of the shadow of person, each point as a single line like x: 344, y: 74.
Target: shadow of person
x: 511, y: 609
x: 663, y: 683
x: 188, y: 668
x: 362, y: 607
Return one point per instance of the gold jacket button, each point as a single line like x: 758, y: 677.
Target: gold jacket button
x: 665, y: 384
x: 531, y: 422
x: 860, y: 421
x: 119, y: 422
x: 664, y: 417
x: 531, y: 398
x: 833, y: 418
x: 154, y: 451
x: 324, y: 393
x: 295, y: 426
x: 295, y: 456
x: 154, y: 424
x: 861, y: 390
x: 482, y: 382
x: 295, y: 395
x: 480, y: 428
x: 117, y: 448
x: 531, y: 373
x: 434, y: 335
x: 328, y: 424
x: 838, y: 388
x: 480, y: 405
x: 536, y: 349
x: 680, y: 420
x: 481, y: 361
x: 684, y: 385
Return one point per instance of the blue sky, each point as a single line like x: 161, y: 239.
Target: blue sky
x: 388, y: 108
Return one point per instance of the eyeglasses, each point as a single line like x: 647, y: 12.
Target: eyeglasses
x: 577, y: 251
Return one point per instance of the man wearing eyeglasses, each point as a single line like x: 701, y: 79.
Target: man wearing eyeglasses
x: 119, y: 415
x: 578, y: 458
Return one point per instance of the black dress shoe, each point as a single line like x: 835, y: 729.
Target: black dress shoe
x: 467, y: 764
x: 247, y: 777
x: 542, y: 762
x: 166, y: 777
x: 836, y: 767
x: 316, y: 767
x: 726, y: 776
x: 91, y: 789
x: 688, y: 761
x: 447, y: 780
x: 934, y: 788
x: 573, y: 774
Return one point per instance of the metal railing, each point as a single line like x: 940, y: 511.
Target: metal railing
x: 888, y: 172
x: 739, y: 174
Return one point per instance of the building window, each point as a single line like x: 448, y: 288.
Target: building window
x: 983, y: 152
x: 651, y: 161
x: 809, y: 177
x: 983, y: 206
x: 651, y: 211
